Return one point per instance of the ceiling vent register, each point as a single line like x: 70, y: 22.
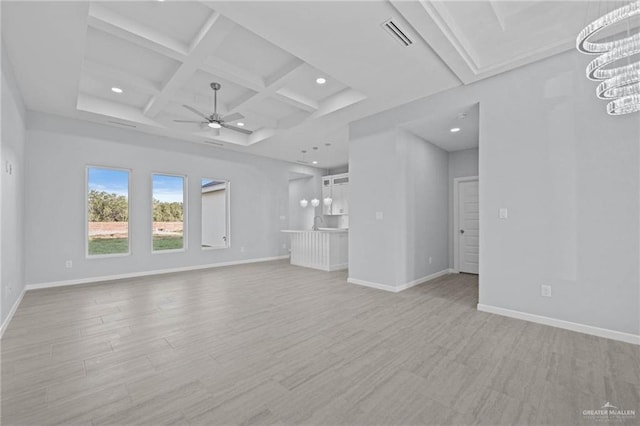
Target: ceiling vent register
x: 397, y: 33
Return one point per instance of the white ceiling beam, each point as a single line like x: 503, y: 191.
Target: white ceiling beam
x: 338, y: 101
x: 297, y: 100
x: 272, y: 85
x: 223, y: 135
x: 232, y: 73
x: 261, y: 135
x: 210, y: 36
x: 122, y: 78
x: 111, y: 109
x: 107, y: 21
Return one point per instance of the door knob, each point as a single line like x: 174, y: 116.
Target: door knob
x: 462, y: 231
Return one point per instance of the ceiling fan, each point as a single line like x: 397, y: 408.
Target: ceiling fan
x: 215, y: 120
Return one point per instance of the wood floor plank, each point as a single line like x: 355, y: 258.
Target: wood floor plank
x: 275, y: 344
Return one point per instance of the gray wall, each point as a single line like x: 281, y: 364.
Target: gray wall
x: 59, y: 149
x: 405, y: 178
x: 567, y: 172
x: 373, y: 182
x: 308, y: 188
x: 462, y: 163
x: 424, y: 215
x: 12, y: 199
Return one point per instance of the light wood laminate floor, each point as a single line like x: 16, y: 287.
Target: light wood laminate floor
x: 271, y: 343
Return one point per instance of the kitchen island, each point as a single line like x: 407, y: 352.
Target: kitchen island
x: 326, y: 249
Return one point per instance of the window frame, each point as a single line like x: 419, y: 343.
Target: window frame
x: 184, y: 213
x: 86, y: 212
x: 227, y: 213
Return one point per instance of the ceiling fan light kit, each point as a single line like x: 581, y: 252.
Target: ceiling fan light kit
x: 620, y: 84
x: 214, y: 120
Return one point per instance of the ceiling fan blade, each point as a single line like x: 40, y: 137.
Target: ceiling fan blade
x: 195, y: 111
x: 237, y: 129
x: 233, y: 117
x: 191, y: 121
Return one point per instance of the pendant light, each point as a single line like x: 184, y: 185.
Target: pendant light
x: 304, y: 202
x: 327, y: 201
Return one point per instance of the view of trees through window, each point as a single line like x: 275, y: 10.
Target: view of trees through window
x: 107, y: 211
x: 168, y: 212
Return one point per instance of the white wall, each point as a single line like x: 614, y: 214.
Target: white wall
x: 462, y: 163
x: 567, y: 172
x: 404, y: 178
x: 12, y: 199
x: 59, y: 149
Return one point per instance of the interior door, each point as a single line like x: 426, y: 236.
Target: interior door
x: 469, y: 227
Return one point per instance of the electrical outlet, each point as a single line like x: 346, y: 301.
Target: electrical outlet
x: 242, y: 249
x: 284, y: 246
x: 68, y: 264
x: 430, y: 260
x: 545, y: 290
x: 379, y: 215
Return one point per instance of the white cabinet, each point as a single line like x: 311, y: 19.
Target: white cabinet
x: 324, y: 250
x: 326, y: 193
x: 337, y: 188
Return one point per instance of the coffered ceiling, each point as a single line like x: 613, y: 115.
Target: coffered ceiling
x: 267, y: 56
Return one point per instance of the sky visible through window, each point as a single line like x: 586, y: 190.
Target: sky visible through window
x: 109, y: 180
x: 168, y: 189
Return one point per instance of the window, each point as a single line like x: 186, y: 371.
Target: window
x: 168, y: 212
x: 107, y: 211
x: 214, y: 195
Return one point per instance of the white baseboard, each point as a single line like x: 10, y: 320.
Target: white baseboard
x: 423, y: 279
x: 340, y: 267
x: 147, y: 273
x: 6, y: 322
x: 567, y: 325
x: 399, y: 288
x: 371, y: 284
x: 330, y: 268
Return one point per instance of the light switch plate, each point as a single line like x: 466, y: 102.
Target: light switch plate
x: 545, y: 290
x: 379, y: 215
x: 504, y: 213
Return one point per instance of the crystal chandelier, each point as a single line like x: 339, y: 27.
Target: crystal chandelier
x: 619, y: 84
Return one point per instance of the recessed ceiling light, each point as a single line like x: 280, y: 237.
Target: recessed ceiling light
x: 321, y: 80
x: 314, y: 162
x: 455, y: 129
x: 240, y: 124
x: 214, y: 125
x: 116, y: 90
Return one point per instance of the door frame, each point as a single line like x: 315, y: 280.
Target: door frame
x: 456, y: 220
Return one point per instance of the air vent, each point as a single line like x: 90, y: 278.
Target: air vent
x: 302, y: 162
x: 121, y: 124
x: 214, y: 143
x: 397, y: 33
